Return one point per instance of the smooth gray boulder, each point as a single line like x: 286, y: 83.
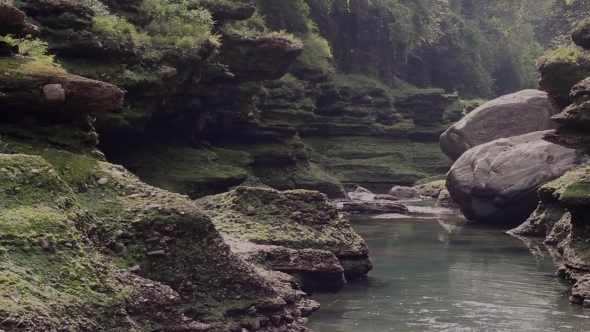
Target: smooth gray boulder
x: 404, y: 192
x: 515, y: 114
x: 497, y: 182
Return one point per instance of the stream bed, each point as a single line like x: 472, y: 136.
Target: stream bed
x: 435, y: 272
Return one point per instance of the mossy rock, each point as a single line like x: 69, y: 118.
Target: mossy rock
x: 296, y: 219
x: 431, y: 188
x: 560, y: 70
x: 71, y: 225
x: 568, y: 188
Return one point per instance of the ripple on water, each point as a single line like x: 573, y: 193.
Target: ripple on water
x: 437, y: 275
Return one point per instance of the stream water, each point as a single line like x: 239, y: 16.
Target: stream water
x: 437, y: 273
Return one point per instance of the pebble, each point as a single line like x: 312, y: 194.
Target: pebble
x: 34, y: 170
x: 45, y: 244
x: 103, y: 181
x: 26, y: 248
x: 3, y: 169
x: 119, y: 233
x: 134, y: 268
x: 251, y: 209
x: 587, y: 303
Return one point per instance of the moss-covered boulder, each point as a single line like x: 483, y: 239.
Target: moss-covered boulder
x: 431, y: 186
x: 88, y: 244
x: 296, y: 219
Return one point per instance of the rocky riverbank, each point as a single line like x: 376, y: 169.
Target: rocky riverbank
x: 501, y: 180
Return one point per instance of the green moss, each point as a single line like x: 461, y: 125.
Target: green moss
x: 431, y: 189
x: 38, y: 206
x: 194, y: 172
x: 296, y: 219
x: 377, y: 159
x: 555, y: 190
x: 27, y: 67
x: 74, y: 280
x: 120, y: 75
x: 569, y: 54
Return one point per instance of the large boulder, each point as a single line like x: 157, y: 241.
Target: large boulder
x: 497, y: 182
x: 518, y: 113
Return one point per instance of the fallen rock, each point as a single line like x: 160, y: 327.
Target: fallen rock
x: 510, y: 115
x: 404, y: 192
x: 373, y: 207
x: 497, y: 182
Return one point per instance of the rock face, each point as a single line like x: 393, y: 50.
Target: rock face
x: 13, y: 21
x: 164, y: 238
x: 581, y: 36
x: 497, y: 182
x: 574, y: 118
x: 510, y: 115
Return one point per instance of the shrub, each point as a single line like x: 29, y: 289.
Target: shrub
x: 173, y: 23
x: 30, y: 47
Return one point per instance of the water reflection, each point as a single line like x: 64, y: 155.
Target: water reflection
x: 443, y: 274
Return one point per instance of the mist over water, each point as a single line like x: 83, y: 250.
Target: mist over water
x: 443, y: 274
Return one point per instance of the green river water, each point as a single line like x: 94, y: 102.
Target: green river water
x: 437, y: 273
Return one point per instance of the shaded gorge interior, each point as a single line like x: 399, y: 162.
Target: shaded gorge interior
x: 203, y: 165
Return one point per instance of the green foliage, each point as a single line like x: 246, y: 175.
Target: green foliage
x: 316, y: 52
x: 555, y: 19
x: 486, y: 49
x: 173, y: 23
x: 294, y: 17
x: 255, y: 26
x: 118, y: 29
x: 571, y: 53
x: 30, y: 47
x: 166, y: 23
